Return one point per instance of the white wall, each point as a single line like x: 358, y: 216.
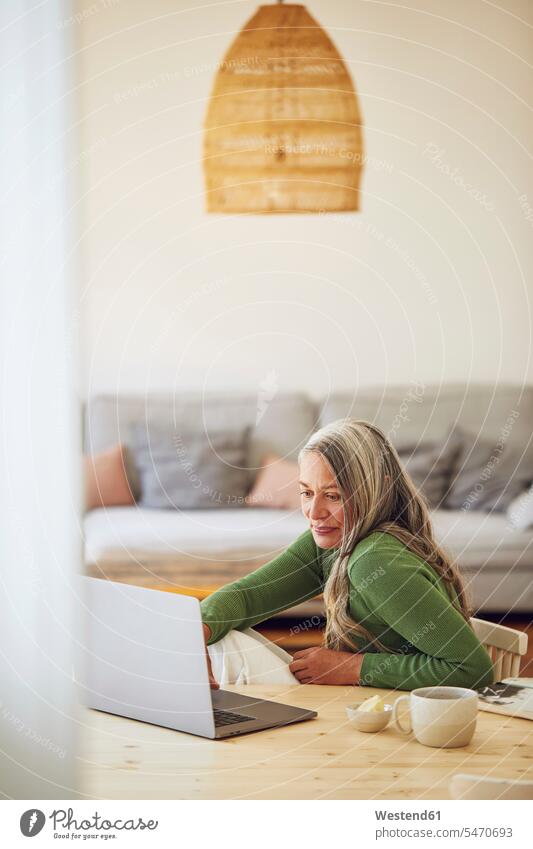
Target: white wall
x: 431, y: 281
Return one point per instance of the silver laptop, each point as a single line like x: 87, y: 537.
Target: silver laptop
x: 143, y: 657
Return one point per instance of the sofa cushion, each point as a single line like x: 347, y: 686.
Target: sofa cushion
x: 489, y: 474
x: 431, y: 466
x: 128, y: 533
x: 183, y: 469
x: 483, y: 540
x: 134, y: 533
x: 108, y: 478
x: 276, y: 485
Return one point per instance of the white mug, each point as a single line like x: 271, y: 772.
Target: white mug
x: 443, y: 717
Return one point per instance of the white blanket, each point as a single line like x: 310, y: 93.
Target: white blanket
x: 246, y: 657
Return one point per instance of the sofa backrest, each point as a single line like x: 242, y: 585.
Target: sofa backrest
x: 409, y: 415
x: 416, y: 414
x: 280, y: 424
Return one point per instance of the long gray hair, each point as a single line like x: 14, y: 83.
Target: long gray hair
x: 377, y: 495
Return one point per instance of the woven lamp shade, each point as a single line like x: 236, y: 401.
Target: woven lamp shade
x: 283, y: 127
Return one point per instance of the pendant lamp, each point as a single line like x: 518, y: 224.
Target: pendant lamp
x: 283, y: 128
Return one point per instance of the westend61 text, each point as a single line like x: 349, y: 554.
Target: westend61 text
x: 407, y: 815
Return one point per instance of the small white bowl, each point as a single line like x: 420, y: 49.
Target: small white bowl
x: 368, y: 720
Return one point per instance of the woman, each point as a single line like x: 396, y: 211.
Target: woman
x: 396, y: 611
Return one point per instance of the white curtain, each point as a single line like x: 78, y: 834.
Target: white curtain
x: 40, y: 549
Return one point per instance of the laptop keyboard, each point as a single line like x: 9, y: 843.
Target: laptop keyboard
x: 226, y: 717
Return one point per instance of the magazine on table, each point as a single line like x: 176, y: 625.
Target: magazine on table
x: 512, y: 697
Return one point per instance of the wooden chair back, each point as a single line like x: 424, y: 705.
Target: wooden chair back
x: 505, y: 647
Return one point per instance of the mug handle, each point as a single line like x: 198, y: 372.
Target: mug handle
x: 396, y: 718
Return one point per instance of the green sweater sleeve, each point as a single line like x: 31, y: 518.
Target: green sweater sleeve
x: 292, y: 577
x: 440, y: 648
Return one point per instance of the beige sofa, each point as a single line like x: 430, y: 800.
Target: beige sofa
x: 197, y: 550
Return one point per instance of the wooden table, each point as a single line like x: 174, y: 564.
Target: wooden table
x: 325, y: 758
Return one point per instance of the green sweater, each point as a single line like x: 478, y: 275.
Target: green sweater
x: 394, y: 594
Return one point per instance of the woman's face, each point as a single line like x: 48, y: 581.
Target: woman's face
x: 321, y: 500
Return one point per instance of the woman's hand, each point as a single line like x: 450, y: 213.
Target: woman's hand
x: 325, y: 666
x: 214, y: 684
